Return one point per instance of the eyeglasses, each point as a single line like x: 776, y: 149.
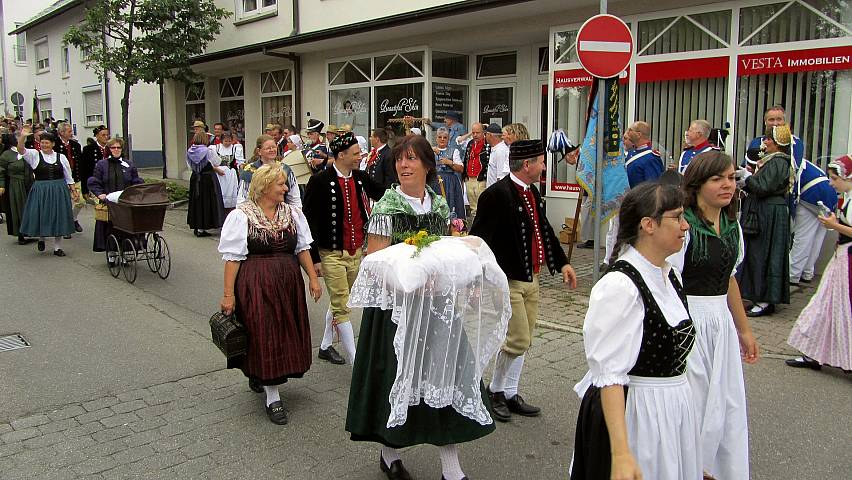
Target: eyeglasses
x: 115, y: 147
x: 680, y: 217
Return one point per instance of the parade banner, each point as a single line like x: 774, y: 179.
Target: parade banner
x: 614, y: 178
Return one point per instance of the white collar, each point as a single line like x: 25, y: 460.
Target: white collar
x: 518, y: 181
x: 644, y: 265
x: 383, y: 146
x: 340, y: 174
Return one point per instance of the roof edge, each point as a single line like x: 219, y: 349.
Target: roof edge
x: 43, y: 16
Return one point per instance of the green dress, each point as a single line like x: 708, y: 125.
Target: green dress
x: 17, y: 178
x: 375, y: 364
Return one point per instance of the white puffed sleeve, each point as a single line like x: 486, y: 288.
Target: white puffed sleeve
x: 66, y: 168
x: 294, y: 196
x: 303, y: 231
x: 612, y: 332
x: 239, y: 154
x: 457, y: 157
x: 233, y: 241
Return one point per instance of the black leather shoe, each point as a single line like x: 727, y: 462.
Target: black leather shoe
x: 40, y: 245
x: 803, y: 362
x: 806, y: 280
x: 587, y: 244
x: 203, y: 233
x: 59, y: 253
x: 517, y: 405
x: 396, y: 470
x: 767, y: 310
x: 331, y: 355
x: 499, y: 410
x: 22, y: 240
x: 67, y: 237
x: 77, y: 226
x: 277, y: 413
x: 255, y: 385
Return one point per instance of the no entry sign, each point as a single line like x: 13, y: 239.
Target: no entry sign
x: 604, y: 46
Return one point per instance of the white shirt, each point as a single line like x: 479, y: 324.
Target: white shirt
x: 498, y: 164
x: 420, y: 207
x: 235, y: 149
x: 233, y: 241
x: 31, y: 156
x: 456, y: 155
x: 612, y: 329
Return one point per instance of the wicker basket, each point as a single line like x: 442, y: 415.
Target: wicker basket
x: 101, y: 212
x: 228, y: 334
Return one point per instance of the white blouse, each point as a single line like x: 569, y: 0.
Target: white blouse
x: 612, y: 329
x: 31, y: 157
x: 233, y: 240
x: 677, y: 260
x: 376, y: 227
x: 235, y: 149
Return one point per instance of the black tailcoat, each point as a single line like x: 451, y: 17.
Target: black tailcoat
x: 383, y: 171
x: 86, y: 164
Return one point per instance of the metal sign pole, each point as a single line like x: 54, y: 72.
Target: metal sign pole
x: 599, y: 162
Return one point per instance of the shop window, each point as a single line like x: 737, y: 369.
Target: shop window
x: 400, y: 65
x: 276, y: 97
x: 278, y: 81
x: 686, y: 33
x: 448, y: 97
x: 496, y: 65
x: 45, y: 108
x: 93, y: 103
x: 42, y: 53
x: 232, y: 105
x: 794, y: 21
x: 396, y: 101
x: 350, y: 106
x: 449, y: 65
x: 565, y: 47
x: 349, y: 71
x: 495, y: 105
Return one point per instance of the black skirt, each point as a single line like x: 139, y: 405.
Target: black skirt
x: 206, y: 209
x: 592, y: 453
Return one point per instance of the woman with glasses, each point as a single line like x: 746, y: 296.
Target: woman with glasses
x: 111, y: 174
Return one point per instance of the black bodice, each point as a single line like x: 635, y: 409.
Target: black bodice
x: 709, y: 275
x: 48, y: 171
x: 283, y: 244
x: 664, y: 348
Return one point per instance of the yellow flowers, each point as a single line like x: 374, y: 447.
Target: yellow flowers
x: 421, y: 240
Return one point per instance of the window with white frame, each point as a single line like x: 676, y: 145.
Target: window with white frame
x: 232, y: 105
x: 194, y: 96
x: 250, y: 8
x: 42, y: 54
x: 45, y: 108
x: 85, y: 54
x: 496, y: 65
x: 20, y: 46
x: 276, y: 97
x: 93, y: 106
x: 66, y: 62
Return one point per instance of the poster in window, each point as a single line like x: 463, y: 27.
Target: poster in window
x: 233, y: 115
x: 278, y: 109
x: 350, y: 106
x: 448, y: 98
x: 397, y: 101
x: 495, y: 105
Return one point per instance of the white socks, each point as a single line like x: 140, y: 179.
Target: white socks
x: 501, y: 369
x: 328, y: 334
x: 272, y: 394
x: 389, y: 455
x: 759, y: 306
x: 514, y: 377
x: 450, y: 467
x: 57, y: 243
x: 347, y: 339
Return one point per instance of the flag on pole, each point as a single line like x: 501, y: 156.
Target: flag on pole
x: 614, y: 174
x: 35, y: 108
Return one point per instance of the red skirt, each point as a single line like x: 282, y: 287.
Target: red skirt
x: 270, y: 296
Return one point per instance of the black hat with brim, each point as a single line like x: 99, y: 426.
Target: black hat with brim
x: 523, y: 149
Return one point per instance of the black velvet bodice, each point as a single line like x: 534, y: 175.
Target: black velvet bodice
x: 709, y: 276
x: 664, y: 348
x: 284, y: 243
x: 48, y: 171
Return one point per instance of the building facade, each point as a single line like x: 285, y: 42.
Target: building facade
x: 366, y: 62
x: 15, y: 82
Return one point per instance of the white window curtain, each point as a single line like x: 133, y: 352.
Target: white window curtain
x: 93, y: 103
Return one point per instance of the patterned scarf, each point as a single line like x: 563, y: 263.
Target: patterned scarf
x: 700, y: 231
x: 264, y: 229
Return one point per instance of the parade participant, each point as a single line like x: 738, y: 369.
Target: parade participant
x: 449, y: 167
x: 765, y: 218
x: 511, y: 220
x: 263, y: 243
x: 266, y: 152
x: 696, y: 138
x: 230, y: 151
x: 712, y: 250
x: 409, y: 207
x: 47, y: 212
x: 295, y: 159
x: 475, y: 159
x: 199, y: 127
x: 218, y: 130
x: 774, y: 115
x: 824, y: 328
x: 92, y: 153
x: 637, y: 333
x: 335, y: 208
x: 112, y: 174
x: 380, y: 163
x: 498, y: 158
x: 16, y: 179
x: 280, y: 137
x: 73, y: 152
x: 33, y: 139
x: 811, y: 187
x: 205, y: 209
x: 316, y: 152
x: 230, y: 157
x: 330, y: 134
x: 453, y: 123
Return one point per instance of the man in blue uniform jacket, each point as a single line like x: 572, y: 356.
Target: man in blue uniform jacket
x: 774, y: 116
x: 643, y: 163
x: 697, y: 138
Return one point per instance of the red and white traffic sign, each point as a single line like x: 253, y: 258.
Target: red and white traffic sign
x: 604, y: 46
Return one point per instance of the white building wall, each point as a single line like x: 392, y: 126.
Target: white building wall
x: 15, y: 75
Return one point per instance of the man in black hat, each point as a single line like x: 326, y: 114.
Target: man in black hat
x: 316, y: 151
x: 335, y: 205
x: 512, y: 221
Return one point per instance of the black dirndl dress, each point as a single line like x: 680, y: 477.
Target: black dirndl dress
x: 206, y: 209
x: 47, y: 212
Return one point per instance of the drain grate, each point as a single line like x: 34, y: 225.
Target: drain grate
x: 13, y: 342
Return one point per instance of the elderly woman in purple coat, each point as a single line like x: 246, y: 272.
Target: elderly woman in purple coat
x: 111, y: 174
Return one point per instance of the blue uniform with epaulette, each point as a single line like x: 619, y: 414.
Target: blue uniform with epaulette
x: 643, y: 164
x: 688, y: 154
x: 810, y: 188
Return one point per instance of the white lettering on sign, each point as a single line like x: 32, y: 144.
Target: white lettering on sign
x: 762, y: 63
x: 802, y: 62
x: 499, y: 108
x: 349, y: 106
x: 404, y: 105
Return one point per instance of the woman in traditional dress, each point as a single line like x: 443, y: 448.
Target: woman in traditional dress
x: 48, y: 210
x: 449, y: 166
x: 723, y: 335
x: 410, y: 206
x: 206, y: 208
x: 231, y: 158
x: 16, y: 179
x: 637, y: 418
x: 765, y: 219
x: 112, y: 174
x: 265, y: 153
x: 823, y: 331
x: 263, y: 243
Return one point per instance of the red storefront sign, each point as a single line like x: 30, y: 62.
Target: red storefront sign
x: 832, y: 58
x: 578, y: 78
x: 682, y: 69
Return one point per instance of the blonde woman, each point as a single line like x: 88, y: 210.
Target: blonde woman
x: 265, y: 240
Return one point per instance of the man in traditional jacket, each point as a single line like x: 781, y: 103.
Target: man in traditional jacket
x: 511, y: 220
x: 475, y: 159
x: 697, y: 140
x: 381, y: 166
x: 91, y: 154
x: 73, y: 152
x: 335, y: 206
x: 316, y: 151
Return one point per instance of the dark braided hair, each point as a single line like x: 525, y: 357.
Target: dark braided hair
x: 648, y: 199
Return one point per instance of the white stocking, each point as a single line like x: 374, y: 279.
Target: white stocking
x: 514, y: 376
x: 328, y: 334
x: 501, y: 368
x: 347, y: 339
x: 450, y: 467
x: 272, y: 394
x: 57, y: 243
x: 389, y: 455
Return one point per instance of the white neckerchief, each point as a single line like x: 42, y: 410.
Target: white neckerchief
x: 340, y: 174
x: 419, y: 207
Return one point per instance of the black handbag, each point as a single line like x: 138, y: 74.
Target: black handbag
x: 750, y: 221
x: 229, y: 334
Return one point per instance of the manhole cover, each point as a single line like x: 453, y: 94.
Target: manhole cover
x: 13, y: 342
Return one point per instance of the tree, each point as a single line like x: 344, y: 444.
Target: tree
x: 144, y: 40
